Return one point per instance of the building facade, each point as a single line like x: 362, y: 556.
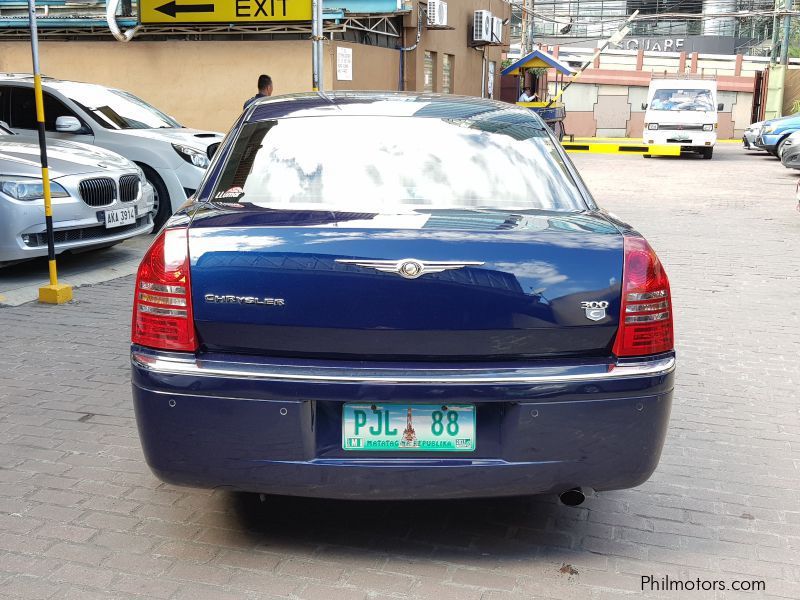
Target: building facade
x: 710, y: 24
x: 201, y: 74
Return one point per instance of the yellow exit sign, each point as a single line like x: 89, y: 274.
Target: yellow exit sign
x: 223, y: 11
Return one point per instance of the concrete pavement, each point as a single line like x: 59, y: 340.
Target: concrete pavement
x: 81, y: 516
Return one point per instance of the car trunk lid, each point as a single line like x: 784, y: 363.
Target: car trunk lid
x: 493, y: 285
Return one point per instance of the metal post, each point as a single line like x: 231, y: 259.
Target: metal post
x: 483, y: 72
x: 316, y: 45
x: 320, y: 45
x: 787, y: 31
x: 53, y: 293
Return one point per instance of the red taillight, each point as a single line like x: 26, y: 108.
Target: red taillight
x: 162, y: 306
x: 645, y: 322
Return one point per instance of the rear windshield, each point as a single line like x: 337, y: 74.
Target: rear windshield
x: 385, y: 164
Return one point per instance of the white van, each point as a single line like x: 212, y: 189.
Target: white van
x: 682, y: 109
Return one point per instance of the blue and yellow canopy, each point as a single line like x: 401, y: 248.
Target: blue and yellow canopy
x: 538, y: 60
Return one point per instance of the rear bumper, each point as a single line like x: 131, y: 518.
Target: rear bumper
x: 276, y: 427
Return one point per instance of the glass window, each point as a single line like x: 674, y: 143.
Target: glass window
x: 115, y: 109
x: 23, y: 110
x: 447, y: 73
x: 396, y: 164
x: 4, y: 104
x: 429, y: 71
x: 693, y: 100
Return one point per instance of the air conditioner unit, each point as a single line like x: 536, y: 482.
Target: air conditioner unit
x: 437, y: 13
x: 497, y: 30
x: 482, y: 26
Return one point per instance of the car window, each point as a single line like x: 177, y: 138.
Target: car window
x: 23, y: 110
x: 4, y: 105
x: 115, y: 109
x: 374, y: 163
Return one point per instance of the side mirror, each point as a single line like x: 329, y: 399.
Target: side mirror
x: 644, y: 105
x: 720, y: 107
x: 68, y: 125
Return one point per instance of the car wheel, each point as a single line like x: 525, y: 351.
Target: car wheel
x: 647, y: 155
x: 558, y: 130
x: 779, y: 148
x: 708, y: 153
x: 162, y: 208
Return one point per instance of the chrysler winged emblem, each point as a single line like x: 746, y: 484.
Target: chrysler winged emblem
x: 410, y: 268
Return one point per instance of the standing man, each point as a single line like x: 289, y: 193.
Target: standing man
x: 264, y: 90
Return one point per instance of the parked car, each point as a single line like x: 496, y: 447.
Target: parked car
x: 430, y: 306
x: 173, y: 158
x: 682, y: 110
x: 790, y: 155
x: 99, y: 198
x: 751, y: 134
x: 775, y: 132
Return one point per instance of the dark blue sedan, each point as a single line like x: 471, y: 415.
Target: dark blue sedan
x: 384, y: 296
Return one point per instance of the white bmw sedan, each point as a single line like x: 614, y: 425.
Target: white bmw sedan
x: 99, y: 198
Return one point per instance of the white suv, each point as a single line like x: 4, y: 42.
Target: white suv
x: 174, y: 159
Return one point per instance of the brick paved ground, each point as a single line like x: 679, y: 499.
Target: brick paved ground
x: 81, y: 517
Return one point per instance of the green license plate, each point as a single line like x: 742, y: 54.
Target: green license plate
x: 415, y: 427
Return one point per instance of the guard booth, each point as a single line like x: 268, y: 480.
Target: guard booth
x: 534, y: 71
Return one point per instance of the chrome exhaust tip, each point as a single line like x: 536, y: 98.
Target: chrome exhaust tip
x: 573, y: 497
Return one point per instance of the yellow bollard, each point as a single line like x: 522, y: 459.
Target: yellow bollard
x: 55, y: 293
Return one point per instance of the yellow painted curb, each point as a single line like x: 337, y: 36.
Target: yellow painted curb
x: 622, y: 148
x: 638, y: 140
x: 59, y: 293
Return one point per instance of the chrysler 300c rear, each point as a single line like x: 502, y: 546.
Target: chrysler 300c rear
x: 399, y: 296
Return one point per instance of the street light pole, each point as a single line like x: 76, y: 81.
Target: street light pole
x: 54, y: 293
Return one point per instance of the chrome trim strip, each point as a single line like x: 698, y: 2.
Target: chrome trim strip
x: 171, y: 364
x: 638, y: 297
x: 162, y: 312
x: 165, y: 289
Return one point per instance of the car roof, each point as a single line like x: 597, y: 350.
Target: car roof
x: 49, y: 81
x: 390, y: 104
x: 27, y: 77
